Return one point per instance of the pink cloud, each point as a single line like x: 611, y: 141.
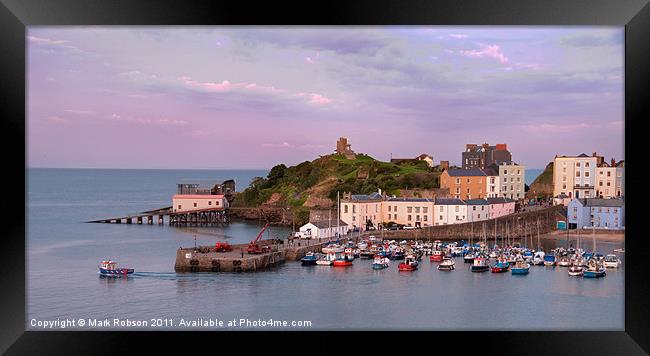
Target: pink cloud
x: 319, y: 99
x: 458, y: 36
x: 489, y: 51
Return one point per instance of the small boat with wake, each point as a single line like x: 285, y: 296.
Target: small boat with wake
x: 109, y: 268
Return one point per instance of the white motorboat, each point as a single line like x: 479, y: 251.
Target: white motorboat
x: 612, y: 261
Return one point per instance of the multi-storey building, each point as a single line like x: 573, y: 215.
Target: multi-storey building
x: 361, y: 210
x: 596, y: 213
x: 610, y: 179
x: 512, y: 181
x: 449, y: 211
x: 575, y: 176
x: 417, y: 212
x: 476, y: 156
x: 477, y: 210
x: 465, y: 183
x: 501, y: 207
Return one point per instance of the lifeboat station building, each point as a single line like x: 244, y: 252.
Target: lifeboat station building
x: 197, y: 197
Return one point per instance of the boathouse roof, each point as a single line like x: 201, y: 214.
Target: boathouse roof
x: 372, y: 196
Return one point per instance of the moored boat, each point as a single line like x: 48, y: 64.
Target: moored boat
x: 480, y: 264
x: 409, y: 264
x: 500, y: 266
x: 447, y: 264
x: 612, y: 261
x: 333, y: 248
x: 310, y: 259
x: 436, y: 256
x: 109, y: 268
x: 342, y: 262
x: 520, y: 267
x: 469, y: 257
x: 576, y: 270
x: 595, y: 269
x: 564, y: 262
x: 380, y: 263
x: 549, y: 260
x: 538, y: 258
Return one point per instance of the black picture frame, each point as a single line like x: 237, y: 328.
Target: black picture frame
x: 16, y: 15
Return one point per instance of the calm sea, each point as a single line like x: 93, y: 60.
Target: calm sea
x: 63, y: 253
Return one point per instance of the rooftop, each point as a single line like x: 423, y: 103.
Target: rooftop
x: 599, y: 202
x: 474, y: 172
x: 449, y: 202
x: 411, y: 199
x: 499, y: 200
x: 477, y: 202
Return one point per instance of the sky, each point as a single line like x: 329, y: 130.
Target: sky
x: 254, y: 97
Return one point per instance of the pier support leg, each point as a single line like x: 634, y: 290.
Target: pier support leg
x: 140, y: 220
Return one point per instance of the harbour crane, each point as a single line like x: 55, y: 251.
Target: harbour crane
x: 254, y: 247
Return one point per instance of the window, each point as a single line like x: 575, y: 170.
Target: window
x: 505, y: 171
x: 409, y: 209
x: 209, y: 202
x: 577, y: 173
x: 354, y: 209
x: 608, y: 184
x: 195, y: 205
x: 417, y: 217
x: 457, y: 208
x: 417, y: 209
x: 600, y: 183
x: 468, y: 180
x: 409, y: 218
x: 442, y: 209
x: 492, y: 180
x: 586, y: 164
x: 467, y: 190
x: 586, y: 174
x: 457, y: 180
x: 389, y: 208
x: 518, y: 172
x: 425, y: 218
x: 518, y: 179
x: 179, y: 207
x: 354, y: 218
x: 600, y: 172
x: 440, y: 217
x: 345, y: 208
x: 564, y: 178
x: 609, y: 174
x: 474, y: 208
x: 425, y: 209
x: 512, y: 179
x: 479, y: 216
x: 482, y: 207
x: 577, y: 164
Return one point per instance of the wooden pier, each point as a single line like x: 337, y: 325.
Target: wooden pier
x: 199, y: 217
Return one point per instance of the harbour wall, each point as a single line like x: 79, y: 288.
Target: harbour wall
x: 518, y: 225
x: 207, y: 259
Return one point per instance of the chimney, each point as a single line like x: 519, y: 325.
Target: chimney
x: 595, y: 155
x: 379, y: 191
x: 613, y: 162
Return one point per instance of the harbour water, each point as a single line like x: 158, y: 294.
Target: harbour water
x: 63, y: 253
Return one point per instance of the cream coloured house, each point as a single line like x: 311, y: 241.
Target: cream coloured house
x: 192, y: 202
x: 575, y: 176
x: 416, y: 212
